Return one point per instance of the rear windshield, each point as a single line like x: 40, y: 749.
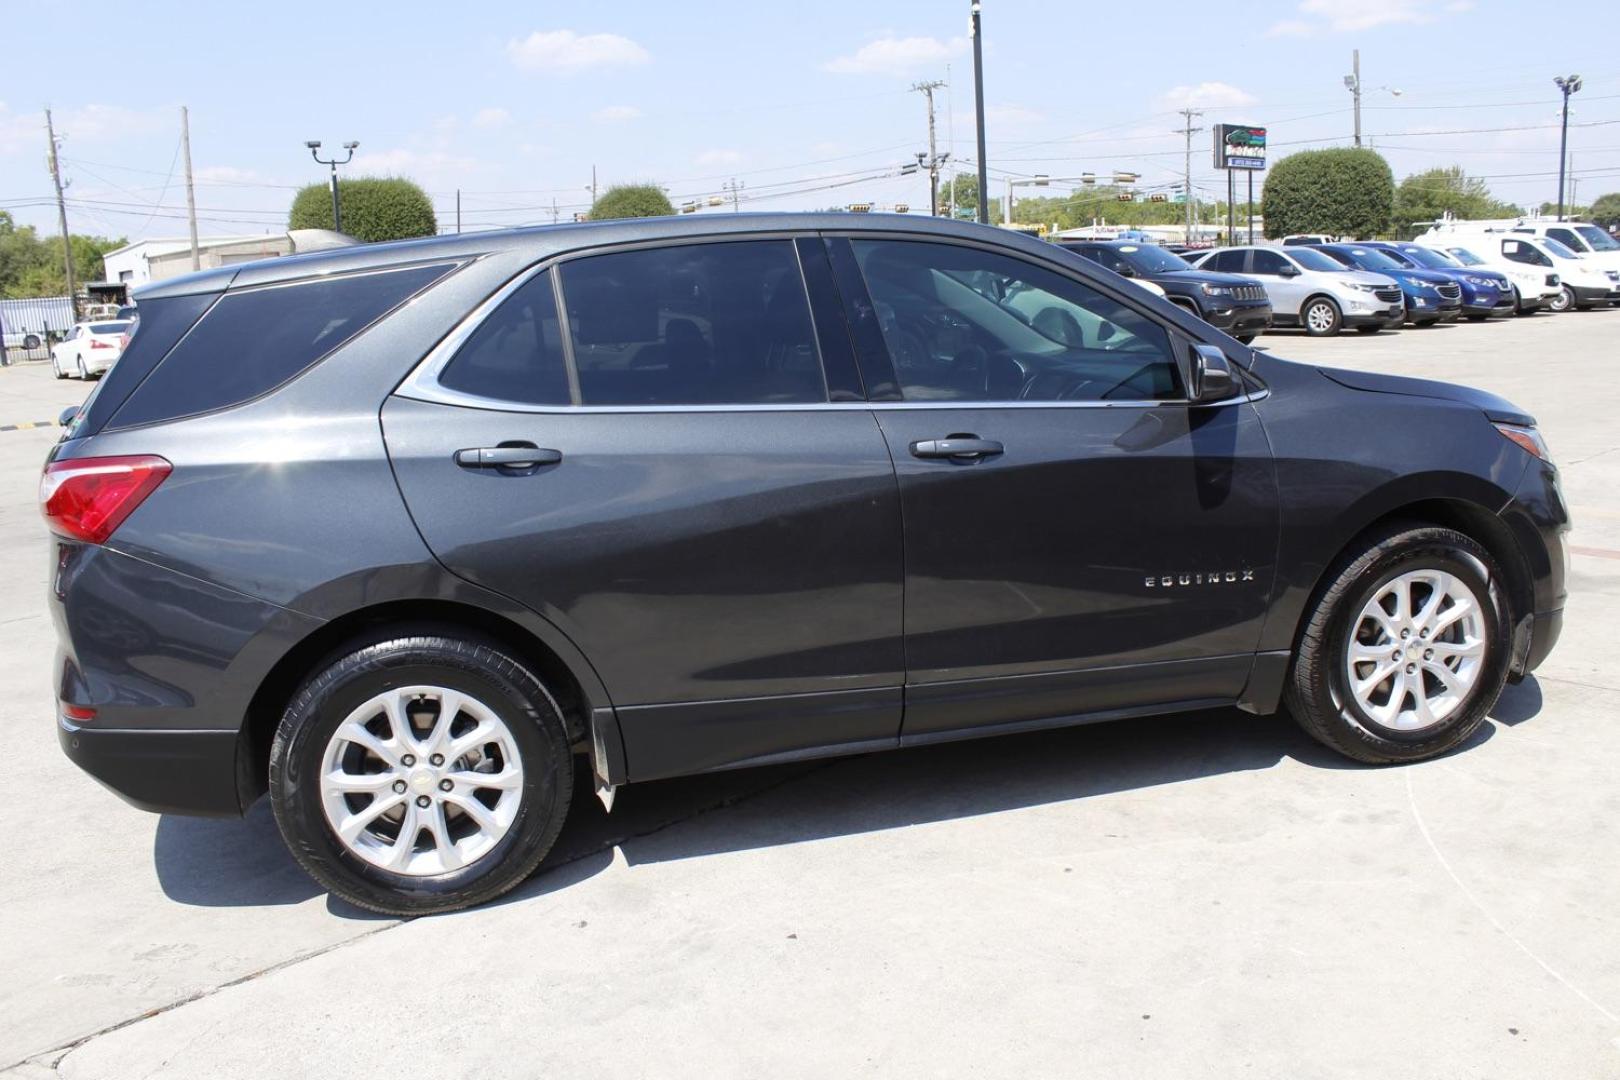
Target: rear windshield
x: 1428, y: 257
x: 1562, y: 250
x: 254, y: 340
x: 1466, y: 257
x: 108, y: 327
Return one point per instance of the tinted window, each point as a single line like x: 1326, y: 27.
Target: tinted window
x: 1228, y: 262
x: 1521, y: 252
x: 1271, y: 264
x: 108, y: 327
x: 257, y: 339
x: 516, y: 353
x: 1567, y: 238
x: 1153, y: 260
x: 161, y: 324
x: 703, y: 324
x: 1596, y: 238
x: 1559, y: 248
x: 963, y: 324
x: 1466, y: 257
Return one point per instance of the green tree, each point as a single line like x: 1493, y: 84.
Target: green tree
x: 1606, y: 210
x: 1343, y: 192
x: 1428, y: 196
x: 631, y: 201
x: 374, y: 209
x: 32, y: 266
x: 1571, y: 211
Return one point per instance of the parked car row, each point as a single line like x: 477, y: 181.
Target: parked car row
x: 90, y: 349
x: 1324, y: 286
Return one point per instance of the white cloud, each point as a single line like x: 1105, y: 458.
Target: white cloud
x: 492, y: 117
x: 1206, y: 95
x: 616, y: 114
x: 1290, y: 28
x: 564, y: 52
x: 1338, y: 17
x: 897, y: 56
x: 719, y: 157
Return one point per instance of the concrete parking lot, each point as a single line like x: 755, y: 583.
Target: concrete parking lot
x: 1202, y: 895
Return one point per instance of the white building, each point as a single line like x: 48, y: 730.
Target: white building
x: 153, y: 260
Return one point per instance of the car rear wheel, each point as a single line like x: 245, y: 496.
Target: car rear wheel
x: 1564, y: 300
x: 1321, y: 317
x: 422, y: 773
x: 83, y: 374
x: 56, y: 367
x: 1247, y: 339
x: 1406, y: 650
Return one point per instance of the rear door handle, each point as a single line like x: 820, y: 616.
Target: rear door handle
x: 509, y: 457
x: 959, y: 447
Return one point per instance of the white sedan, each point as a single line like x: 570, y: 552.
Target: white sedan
x: 90, y: 349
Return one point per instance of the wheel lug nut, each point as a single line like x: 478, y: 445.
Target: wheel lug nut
x: 1396, y: 655
x: 445, y: 785
x: 399, y: 787
x: 1405, y: 634
x: 1411, y: 669
x: 1428, y: 654
x: 1423, y: 633
x: 436, y: 760
x: 423, y: 801
x: 407, y: 761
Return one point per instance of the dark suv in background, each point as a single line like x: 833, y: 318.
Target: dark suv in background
x: 1227, y: 302
x: 395, y: 532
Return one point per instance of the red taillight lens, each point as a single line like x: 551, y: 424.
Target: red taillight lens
x: 98, y: 344
x: 88, y: 498
x: 78, y: 712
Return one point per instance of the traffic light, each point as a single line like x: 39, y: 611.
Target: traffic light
x: 860, y: 208
x: 902, y: 208
x: 1158, y: 198
x: 1125, y: 196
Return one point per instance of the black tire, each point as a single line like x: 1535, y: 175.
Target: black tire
x: 1368, y: 329
x: 1476, y: 318
x: 1247, y: 339
x: 1329, y: 319
x: 467, y: 665
x: 1317, y: 692
x: 31, y: 342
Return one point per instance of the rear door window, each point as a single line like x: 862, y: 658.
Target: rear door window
x: 516, y: 354
x: 1227, y: 262
x: 1270, y: 264
x: 254, y: 340
x: 1568, y: 238
x: 694, y: 324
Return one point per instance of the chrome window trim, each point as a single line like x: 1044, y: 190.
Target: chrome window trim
x: 422, y: 384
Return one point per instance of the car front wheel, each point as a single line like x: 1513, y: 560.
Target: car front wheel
x: 421, y: 773
x: 1321, y: 317
x: 1564, y: 300
x: 1406, y: 650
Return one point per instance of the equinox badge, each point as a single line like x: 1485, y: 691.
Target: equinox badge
x: 1214, y: 577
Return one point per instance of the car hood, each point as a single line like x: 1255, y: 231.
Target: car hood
x: 1366, y: 277
x: 1494, y: 408
x: 1205, y: 277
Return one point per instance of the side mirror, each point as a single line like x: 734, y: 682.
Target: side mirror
x: 1126, y: 271
x: 68, y: 415
x: 1289, y: 270
x: 1208, y: 375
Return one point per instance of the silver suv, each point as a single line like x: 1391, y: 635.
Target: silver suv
x: 1311, y: 290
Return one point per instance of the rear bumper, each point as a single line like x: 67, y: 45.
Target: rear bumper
x: 1544, y: 631
x: 178, y: 772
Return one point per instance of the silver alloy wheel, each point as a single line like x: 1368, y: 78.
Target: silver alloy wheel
x: 1564, y: 300
x: 1319, y: 317
x: 1416, y: 650
x: 421, y: 780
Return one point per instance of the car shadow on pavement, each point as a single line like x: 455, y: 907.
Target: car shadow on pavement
x: 228, y: 863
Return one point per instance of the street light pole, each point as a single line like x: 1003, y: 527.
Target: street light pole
x: 1568, y: 84
x: 314, y: 146
x: 978, y: 113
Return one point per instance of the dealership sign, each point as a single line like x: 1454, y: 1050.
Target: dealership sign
x: 1240, y: 146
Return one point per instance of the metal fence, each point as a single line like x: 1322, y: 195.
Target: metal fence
x: 31, y: 326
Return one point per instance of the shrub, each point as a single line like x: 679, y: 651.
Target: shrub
x: 631, y: 201
x: 374, y: 208
x: 1341, y: 192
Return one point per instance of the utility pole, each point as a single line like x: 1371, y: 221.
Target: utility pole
x: 593, y: 187
x: 1352, y: 83
x: 950, y: 135
x: 191, y: 191
x: 927, y: 89
x: 1567, y: 85
x: 61, y: 217
x: 458, y: 211
x: 733, y: 187
x: 978, y: 110
x: 1186, y: 175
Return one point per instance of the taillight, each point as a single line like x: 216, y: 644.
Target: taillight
x: 97, y: 343
x: 88, y: 498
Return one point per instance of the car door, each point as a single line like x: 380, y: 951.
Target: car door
x: 1078, y: 540
x: 682, y: 477
x: 1285, y: 284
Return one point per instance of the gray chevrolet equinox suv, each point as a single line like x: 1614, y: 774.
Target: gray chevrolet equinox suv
x: 396, y: 532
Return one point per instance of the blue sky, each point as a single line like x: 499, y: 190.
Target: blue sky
x: 807, y: 105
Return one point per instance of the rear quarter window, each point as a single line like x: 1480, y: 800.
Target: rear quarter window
x: 252, y: 341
